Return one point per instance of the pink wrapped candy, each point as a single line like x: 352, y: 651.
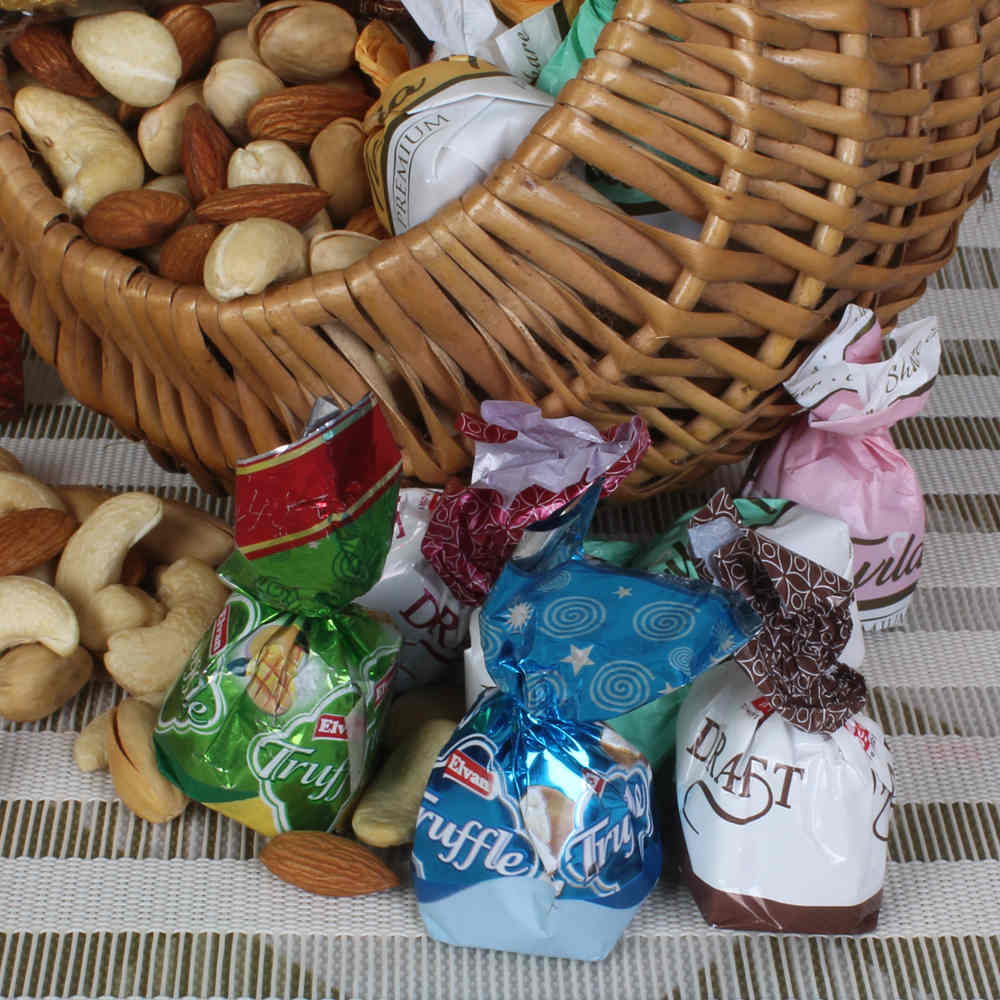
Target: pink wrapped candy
x: 840, y: 459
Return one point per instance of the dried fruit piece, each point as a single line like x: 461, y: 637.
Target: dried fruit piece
x: 127, y: 220
x: 205, y: 152
x: 44, y: 51
x: 297, y: 115
x: 182, y: 256
x: 30, y: 537
x: 295, y: 204
x: 326, y: 864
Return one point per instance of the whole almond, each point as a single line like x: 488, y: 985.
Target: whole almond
x: 194, y: 32
x: 326, y: 864
x: 128, y: 220
x: 182, y: 256
x: 295, y: 204
x: 45, y: 52
x: 205, y: 152
x: 30, y: 537
x: 296, y: 115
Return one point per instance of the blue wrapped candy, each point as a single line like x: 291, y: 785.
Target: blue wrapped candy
x: 536, y: 832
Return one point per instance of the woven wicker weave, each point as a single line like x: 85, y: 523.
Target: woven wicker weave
x: 848, y: 138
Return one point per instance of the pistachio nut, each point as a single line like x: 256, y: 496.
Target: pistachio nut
x: 337, y: 160
x: 304, y: 41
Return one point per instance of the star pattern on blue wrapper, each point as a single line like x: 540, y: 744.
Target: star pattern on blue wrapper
x: 518, y: 616
x: 623, y: 592
x: 578, y: 658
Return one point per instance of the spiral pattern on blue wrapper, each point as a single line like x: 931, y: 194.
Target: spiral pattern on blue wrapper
x: 559, y: 582
x: 543, y: 691
x: 620, y: 686
x: 489, y: 637
x: 569, y: 617
x: 680, y: 658
x: 664, y: 620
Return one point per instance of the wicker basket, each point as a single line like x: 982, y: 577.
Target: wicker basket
x: 848, y: 137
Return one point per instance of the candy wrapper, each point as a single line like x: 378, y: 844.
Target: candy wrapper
x: 784, y: 830
x: 840, y: 458
x: 773, y: 761
x: 797, y: 530
x: 433, y: 623
x: 440, y: 128
x: 276, y: 718
x: 536, y: 832
x: 519, y: 44
x: 526, y: 468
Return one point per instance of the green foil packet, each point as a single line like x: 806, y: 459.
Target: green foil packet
x: 278, y: 714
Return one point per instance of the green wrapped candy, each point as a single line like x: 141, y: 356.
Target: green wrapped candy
x: 277, y: 716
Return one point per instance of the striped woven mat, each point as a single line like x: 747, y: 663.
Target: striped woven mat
x: 95, y: 903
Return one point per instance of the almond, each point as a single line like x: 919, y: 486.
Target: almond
x: 297, y: 115
x: 182, y: 257
x: 45, y: 52
x: 30, y: 537
x: 193, y: 29
x: 326, y: 864
x: 205, y: 152
x: 295, y: 204
x: 127, y: 220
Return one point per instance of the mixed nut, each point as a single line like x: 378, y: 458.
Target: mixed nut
x: 250, y: 118
x: 73, y: 559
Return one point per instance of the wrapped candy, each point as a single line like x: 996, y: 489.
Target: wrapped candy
x: 536, y: 832
x: 520, y: 43
x: 440, y: 128
x: 773, y: 759
x: 797, y: 529
x: 526, y: 468
x: 785, y: 830
x: 434, y: 624
x: 840, y: 459
x: 278, y: 714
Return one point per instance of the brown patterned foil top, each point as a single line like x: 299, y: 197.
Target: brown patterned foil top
x: 806, y: 616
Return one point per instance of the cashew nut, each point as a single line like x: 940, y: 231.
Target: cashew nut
x: 35, y: 681
x: 146, y: 661
x: 184, y: 530
x: 92, y: 562
x: 90, y: 748
x: 89, y: 153
x: 19, y: 491
x: 32, y: 611
x: 132, y: 762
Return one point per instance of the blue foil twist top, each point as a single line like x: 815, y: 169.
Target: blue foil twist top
x: 566, y: 634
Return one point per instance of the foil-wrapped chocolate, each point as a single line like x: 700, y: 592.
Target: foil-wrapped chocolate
x: 277, y: 716
x: 536, y: 832
x: 840, y: 459
x: 440, y: 128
